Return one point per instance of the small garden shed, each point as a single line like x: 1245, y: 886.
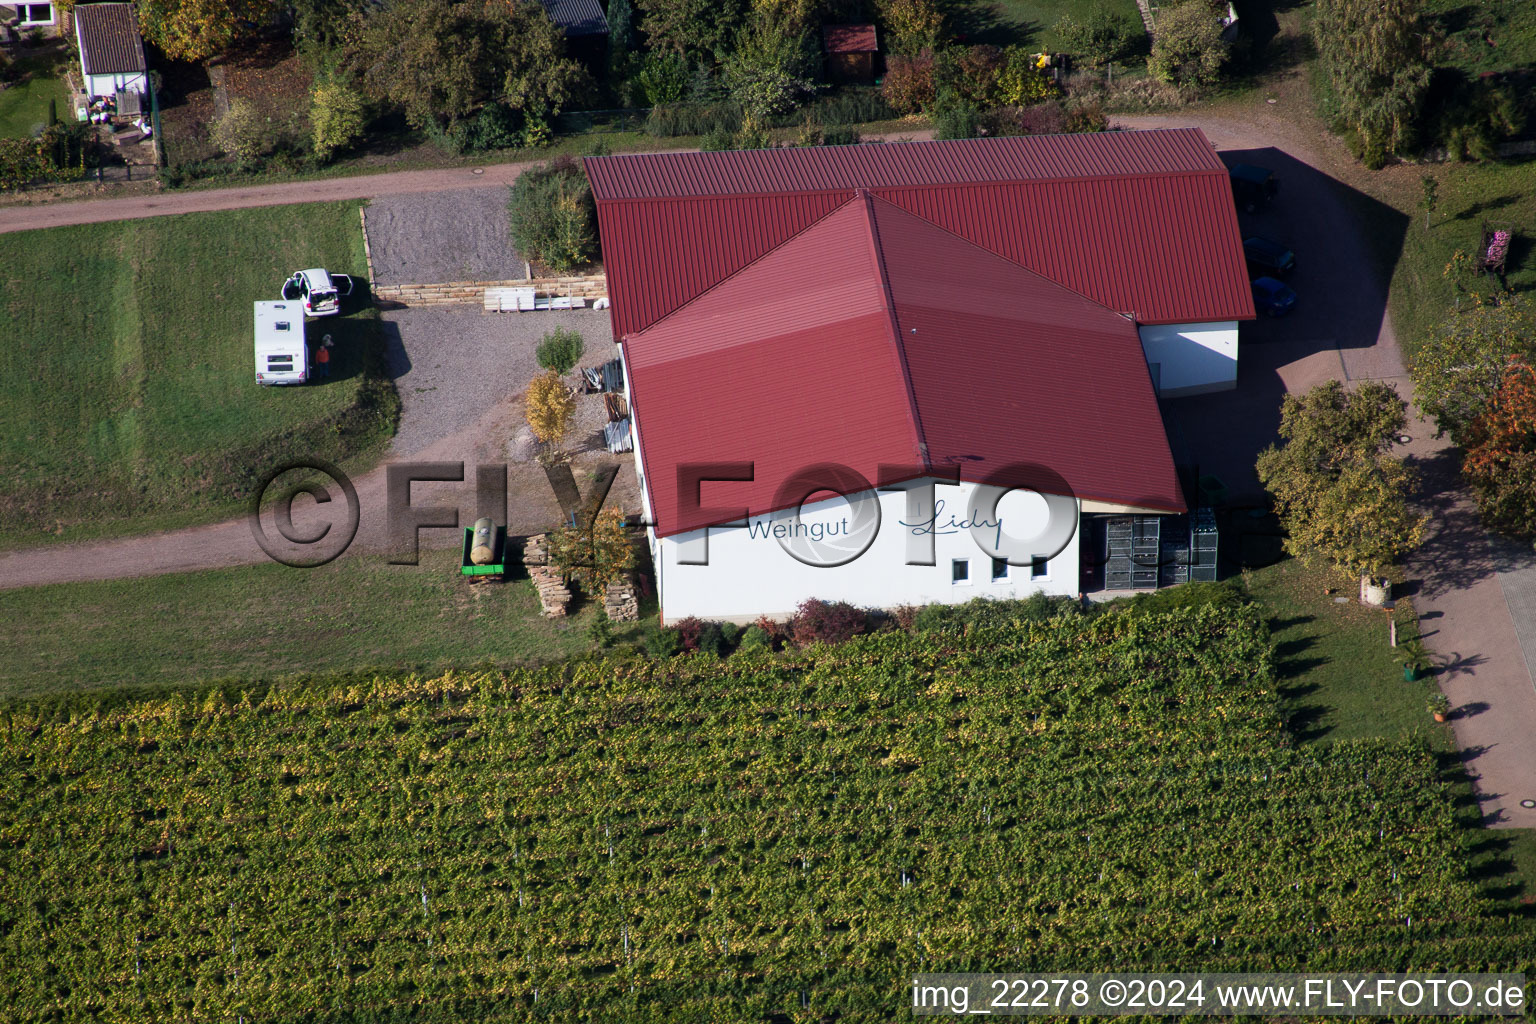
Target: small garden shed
x: 850, y: 51
x: 111, y: 52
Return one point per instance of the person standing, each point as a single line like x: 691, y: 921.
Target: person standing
x: 323, y: 358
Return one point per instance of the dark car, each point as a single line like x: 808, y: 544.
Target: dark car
x: 1268, y: 258
x: 1253, y: 186
x: 1272, y: 297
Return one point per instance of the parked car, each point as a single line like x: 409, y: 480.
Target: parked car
x: 1253, y: 186
x: 1272, y: 297
x: 319, y: 291
x: 1268, y: 258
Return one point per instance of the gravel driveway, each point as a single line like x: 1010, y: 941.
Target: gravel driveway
x: 452, y: 364
x: 432, y: 237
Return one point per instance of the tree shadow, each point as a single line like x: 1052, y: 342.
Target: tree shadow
x: 980, y: 21
x: 1471, y: 709
x: 1486, y: 206
x: 1456, y: 553
x: 397, y: 363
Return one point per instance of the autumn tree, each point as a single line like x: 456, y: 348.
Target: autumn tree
x: 1342, y: 498
x: 442, y: 60
x: 550, y: 408
x: 911, y: 26
x: 595, y: 554
x: 696, y: 28
x: 1463, y: 360
x: 1376, y: 55
x: 199, y: 29
x: 336, y: 118
x: 1501, y: 453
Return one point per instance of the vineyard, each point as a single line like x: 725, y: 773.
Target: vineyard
x: 771, y: 837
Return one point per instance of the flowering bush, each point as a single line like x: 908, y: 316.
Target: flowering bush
x: 831, y: 622
x: 1498, y: 248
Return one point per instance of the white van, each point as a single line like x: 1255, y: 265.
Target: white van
x: 319, y: 291
x: 281, y: 355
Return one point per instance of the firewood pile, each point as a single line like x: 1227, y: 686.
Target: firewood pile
x: 620, y: 601
x: 554, y: 595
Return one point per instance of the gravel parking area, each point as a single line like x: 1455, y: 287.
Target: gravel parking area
x: 432, y: 237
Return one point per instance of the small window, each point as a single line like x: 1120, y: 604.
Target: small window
x: 280, y: 362
x: 960, y: 571
x: 1039, y: 569
x: 282, y: 325
x: 999, y: 569
x: 36, y: 14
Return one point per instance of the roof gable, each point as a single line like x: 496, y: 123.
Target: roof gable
x: 875, y: 338
x: 577, y: 17
x: 849, y: 38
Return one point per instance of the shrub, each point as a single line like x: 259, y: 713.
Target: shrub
x: 22, y: 161
x: 1049, y: 118
x: 973, y: 73
x: 988, y: 611
x: 839, y: 135
x: 1100, y: 36
x: 755, y: 638
x: 593, y: 555
x: 911, y: 25
x: 664, y: 78
x: 688, y: 632
x: 712, y: 640
x: 560, y: 350
x: 336, y: 118
x: 1086, y: 117
x: 661, y: 643
x: 1022, y: 81
x: 494, y: 127
x: 909, y: 82
x: 830, y: 622
x: 852, y: 105
x: 553, y: 218
x: 242, y: 132
x: 1501, y: 454
x: 717, y: 140
x: 954, y: 118
x: 1187, y: 47
x: 771, y: 69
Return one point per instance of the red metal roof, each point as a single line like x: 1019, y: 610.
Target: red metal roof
x: 849, y: 38
x: 1142, y: 222
x: 877, y: 338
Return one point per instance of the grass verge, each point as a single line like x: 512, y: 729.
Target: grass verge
x: 127, y: 391
x: 266, y: 622
x: 26, y: 105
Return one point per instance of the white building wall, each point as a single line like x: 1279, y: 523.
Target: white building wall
x: 1191, y: 359
x: 108, y: 85
x: 749, y: 574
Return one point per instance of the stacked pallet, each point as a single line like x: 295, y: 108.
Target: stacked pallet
x: 620, y: 601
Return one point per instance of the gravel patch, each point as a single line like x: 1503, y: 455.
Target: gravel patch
x: 434, y: 237
x: 454, y: 364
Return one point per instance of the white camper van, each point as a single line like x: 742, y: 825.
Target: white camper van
x: 281, y: 355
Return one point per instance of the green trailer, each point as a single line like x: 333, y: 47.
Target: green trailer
x: 496, y: 569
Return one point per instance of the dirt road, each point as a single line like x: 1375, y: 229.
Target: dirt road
x: 163, y: 204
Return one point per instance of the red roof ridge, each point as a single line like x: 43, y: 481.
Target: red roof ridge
x: 913, y: 413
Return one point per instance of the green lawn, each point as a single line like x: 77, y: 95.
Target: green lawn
x: 1470, y: 193
x: 268, y: 621
x: 127, y: 390
x: 1028, y: 22
x: 1489, y: 35
x: 23, y: 107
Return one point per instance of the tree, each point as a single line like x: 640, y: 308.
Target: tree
x: 973, y: 73
x: 199, y: 29
x: 549, y: 408
x: 911, y: 26
x: 1430, y: 197
x: 621, y: 38
x: 1099, y: 36
x: 336, y: 118
x: 242, y: 132
x: 1187, y: 48
x: 442, y: 60
x: 664, y: 77
x: 696, y: 28
x: 560, y: 350
x: 1376, y: 55
x: 1342, y: 499
x: 595, y: 554
x: 1501, y: 453
x: 1463, y: 361
x: 553, y: 218
x: 770, y: 70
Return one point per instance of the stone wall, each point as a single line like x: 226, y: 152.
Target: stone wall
x: 589, y: 288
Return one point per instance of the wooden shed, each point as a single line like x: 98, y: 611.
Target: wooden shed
x: 851, y: 52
